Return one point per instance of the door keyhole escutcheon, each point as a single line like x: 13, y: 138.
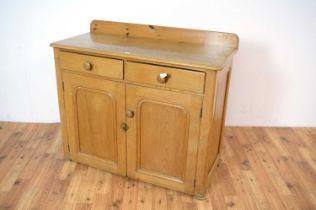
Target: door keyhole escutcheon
x: 124, y: 126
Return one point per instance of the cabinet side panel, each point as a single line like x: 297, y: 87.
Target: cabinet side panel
x: 61, y: 103
x: 213, y: 162
x: 218, y: 118
x: 211, y: 126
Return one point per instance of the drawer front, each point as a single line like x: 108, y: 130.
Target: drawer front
x: 92, y: 64
x: 161, y: 76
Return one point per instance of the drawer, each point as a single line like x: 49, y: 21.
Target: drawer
x: 155, y: 75
x: 92, y: 64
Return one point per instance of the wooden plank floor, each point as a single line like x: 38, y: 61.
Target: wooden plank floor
x: 260, y: 168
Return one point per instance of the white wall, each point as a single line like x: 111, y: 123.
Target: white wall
x: 274, y: 75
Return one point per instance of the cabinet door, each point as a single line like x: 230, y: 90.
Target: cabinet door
x: 162, y: 139
x: 95, y: 108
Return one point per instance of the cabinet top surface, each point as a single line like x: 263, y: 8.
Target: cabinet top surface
x: 187, y: 48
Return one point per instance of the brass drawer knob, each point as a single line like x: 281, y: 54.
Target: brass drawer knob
x: 129, y: 113
x: 162, y: 78
x: 88, y: 66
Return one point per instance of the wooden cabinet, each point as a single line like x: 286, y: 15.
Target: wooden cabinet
x: 144, y: 102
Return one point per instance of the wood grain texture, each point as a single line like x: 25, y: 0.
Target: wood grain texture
x: 181, y: 79
x: 259, y: 168
x: 205, y: 129
x: 163, y: 33
x: 118, y: 65
x: 197, y: 49
x: 213, y: 119
x: 163, y: 137
x: 95, y: 110
x: 99, y: 66
x: 61, y: 102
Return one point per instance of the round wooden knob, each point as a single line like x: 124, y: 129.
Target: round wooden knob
x: 88, y: 66
x: 129, y: 113
x: 162, y: 78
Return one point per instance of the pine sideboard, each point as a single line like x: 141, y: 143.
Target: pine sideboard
x: 144, y: 101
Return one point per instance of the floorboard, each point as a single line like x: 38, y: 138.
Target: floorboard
x: 259, y: 168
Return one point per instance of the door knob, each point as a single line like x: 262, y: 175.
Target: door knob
x: 162, y: 78
x: 129, y: 113
x: 88, y: 66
